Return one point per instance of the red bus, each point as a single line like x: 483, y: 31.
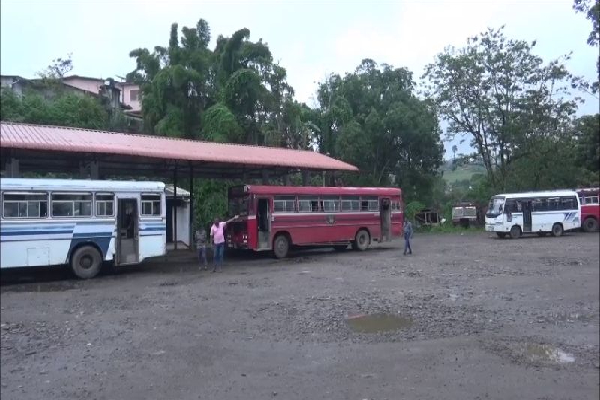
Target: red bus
x: 590, y: 208
x: 280, y: 217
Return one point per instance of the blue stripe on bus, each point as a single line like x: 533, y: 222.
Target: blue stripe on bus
x: 33, y: 233
x: 77, y: 235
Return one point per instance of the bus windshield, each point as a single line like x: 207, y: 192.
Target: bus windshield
x: 238, y: 205
x: 495, y: 207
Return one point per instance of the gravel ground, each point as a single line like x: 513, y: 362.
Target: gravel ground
x: 474, y: 317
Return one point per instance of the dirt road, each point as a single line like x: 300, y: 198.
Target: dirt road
x: 466, y: 317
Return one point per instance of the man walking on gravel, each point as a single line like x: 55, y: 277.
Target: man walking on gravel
x: 408, y: 232
x: 201, y: 247
x: 218, y: 238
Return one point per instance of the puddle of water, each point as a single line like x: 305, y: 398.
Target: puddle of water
x: 376, y: 323
x: 547, y: 353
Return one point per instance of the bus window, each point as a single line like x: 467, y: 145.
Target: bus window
x: 330, y: 203
x: 350, y: 203
x: 151, y: 205
x: 105, y: 205
x: 25, y: 205
x: 308, y: 204
x: 283, y: 204
x: 71, y: 204
x: 553, y: 204
x: 568, y: 203
x: 369, y: 204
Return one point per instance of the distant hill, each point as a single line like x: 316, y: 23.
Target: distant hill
x: 462, y: 172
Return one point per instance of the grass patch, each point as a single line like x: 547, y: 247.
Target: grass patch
x: 449, y: 228
x: 462, y: 173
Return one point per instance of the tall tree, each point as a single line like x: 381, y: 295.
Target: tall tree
x: 372, y: 119
x: 503, y: 96
x: 234, y: 93
x: 591, y: 9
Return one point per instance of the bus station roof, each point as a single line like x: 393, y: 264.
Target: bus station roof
x: 60, y: 149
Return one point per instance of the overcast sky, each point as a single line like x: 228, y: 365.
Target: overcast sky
x: 309, y: 38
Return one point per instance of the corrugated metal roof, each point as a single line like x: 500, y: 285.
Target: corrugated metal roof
x: 75, y: 140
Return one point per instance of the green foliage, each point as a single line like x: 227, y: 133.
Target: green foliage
x: 219, y: 124
x: 591, y: 8
x: 372, y: 119
x: 211, y: 201
x: 499, y: 93
x: 587, y: 144
x: 412, y: 209
x: 65, y: 110
x: 233, y: 93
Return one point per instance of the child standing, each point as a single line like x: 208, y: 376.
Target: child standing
x: 200, y: 237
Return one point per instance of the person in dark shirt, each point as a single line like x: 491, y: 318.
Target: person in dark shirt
x: 408, y: 233
x: 200, y: 236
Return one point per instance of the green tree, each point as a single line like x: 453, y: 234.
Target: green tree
x: 234, y: 93
x: 372, y: 119
x: 65, y: 110
x: 591, y: 9
x: 503, y: 96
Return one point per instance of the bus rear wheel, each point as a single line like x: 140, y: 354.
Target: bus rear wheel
x: 515, y: 232
x: 281, y: 246
x: 361, y: 240
x: 557, y: 230
x: 86, y: 262
x: 590, y: 225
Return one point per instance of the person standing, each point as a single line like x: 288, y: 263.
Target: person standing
x: 408, y: 233
x: 200, y: 237
x: 218, y: 238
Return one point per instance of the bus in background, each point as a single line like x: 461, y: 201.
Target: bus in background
x: 590, y: 208
x: 279, y: 217
x: 534, y: 212
x: 465, y: 214
x: 81, y: 223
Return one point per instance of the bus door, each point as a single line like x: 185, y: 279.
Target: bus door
x: 127, y: 242
x: 385, y: 216
x: 527, y: 207
x: 263, y: 223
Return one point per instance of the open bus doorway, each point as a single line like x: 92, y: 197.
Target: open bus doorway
x: 127, y: 240
x: 385, y: 219
x: 263, y: 223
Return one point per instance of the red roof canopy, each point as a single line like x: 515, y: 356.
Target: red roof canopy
x: 53, y: 139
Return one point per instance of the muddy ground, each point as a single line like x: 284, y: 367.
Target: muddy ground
x: 466, y: 317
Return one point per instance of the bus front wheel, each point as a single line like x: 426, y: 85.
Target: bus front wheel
x: 590, y: 225
x: 515, y: 232
x: 86, y: 262
x: 361, y: 240
x: 557, y: 230
x: 281, y: 246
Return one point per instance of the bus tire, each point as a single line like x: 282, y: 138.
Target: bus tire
x: 590, y: 225
x: 281, y: 246
x: 361, y: 240
x: 557, y: 230
x: 501, y: 235
x: 86, y: 262
x: 515, y: 232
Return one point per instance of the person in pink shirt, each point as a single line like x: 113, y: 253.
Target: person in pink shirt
x: 217, y: 233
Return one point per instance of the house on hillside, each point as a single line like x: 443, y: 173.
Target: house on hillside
x: 129, y: 92
x: 13, y: 82
x: 19, y: 85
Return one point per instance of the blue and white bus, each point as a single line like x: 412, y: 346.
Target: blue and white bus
x: 81, y: 223
x: 546, y: 212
